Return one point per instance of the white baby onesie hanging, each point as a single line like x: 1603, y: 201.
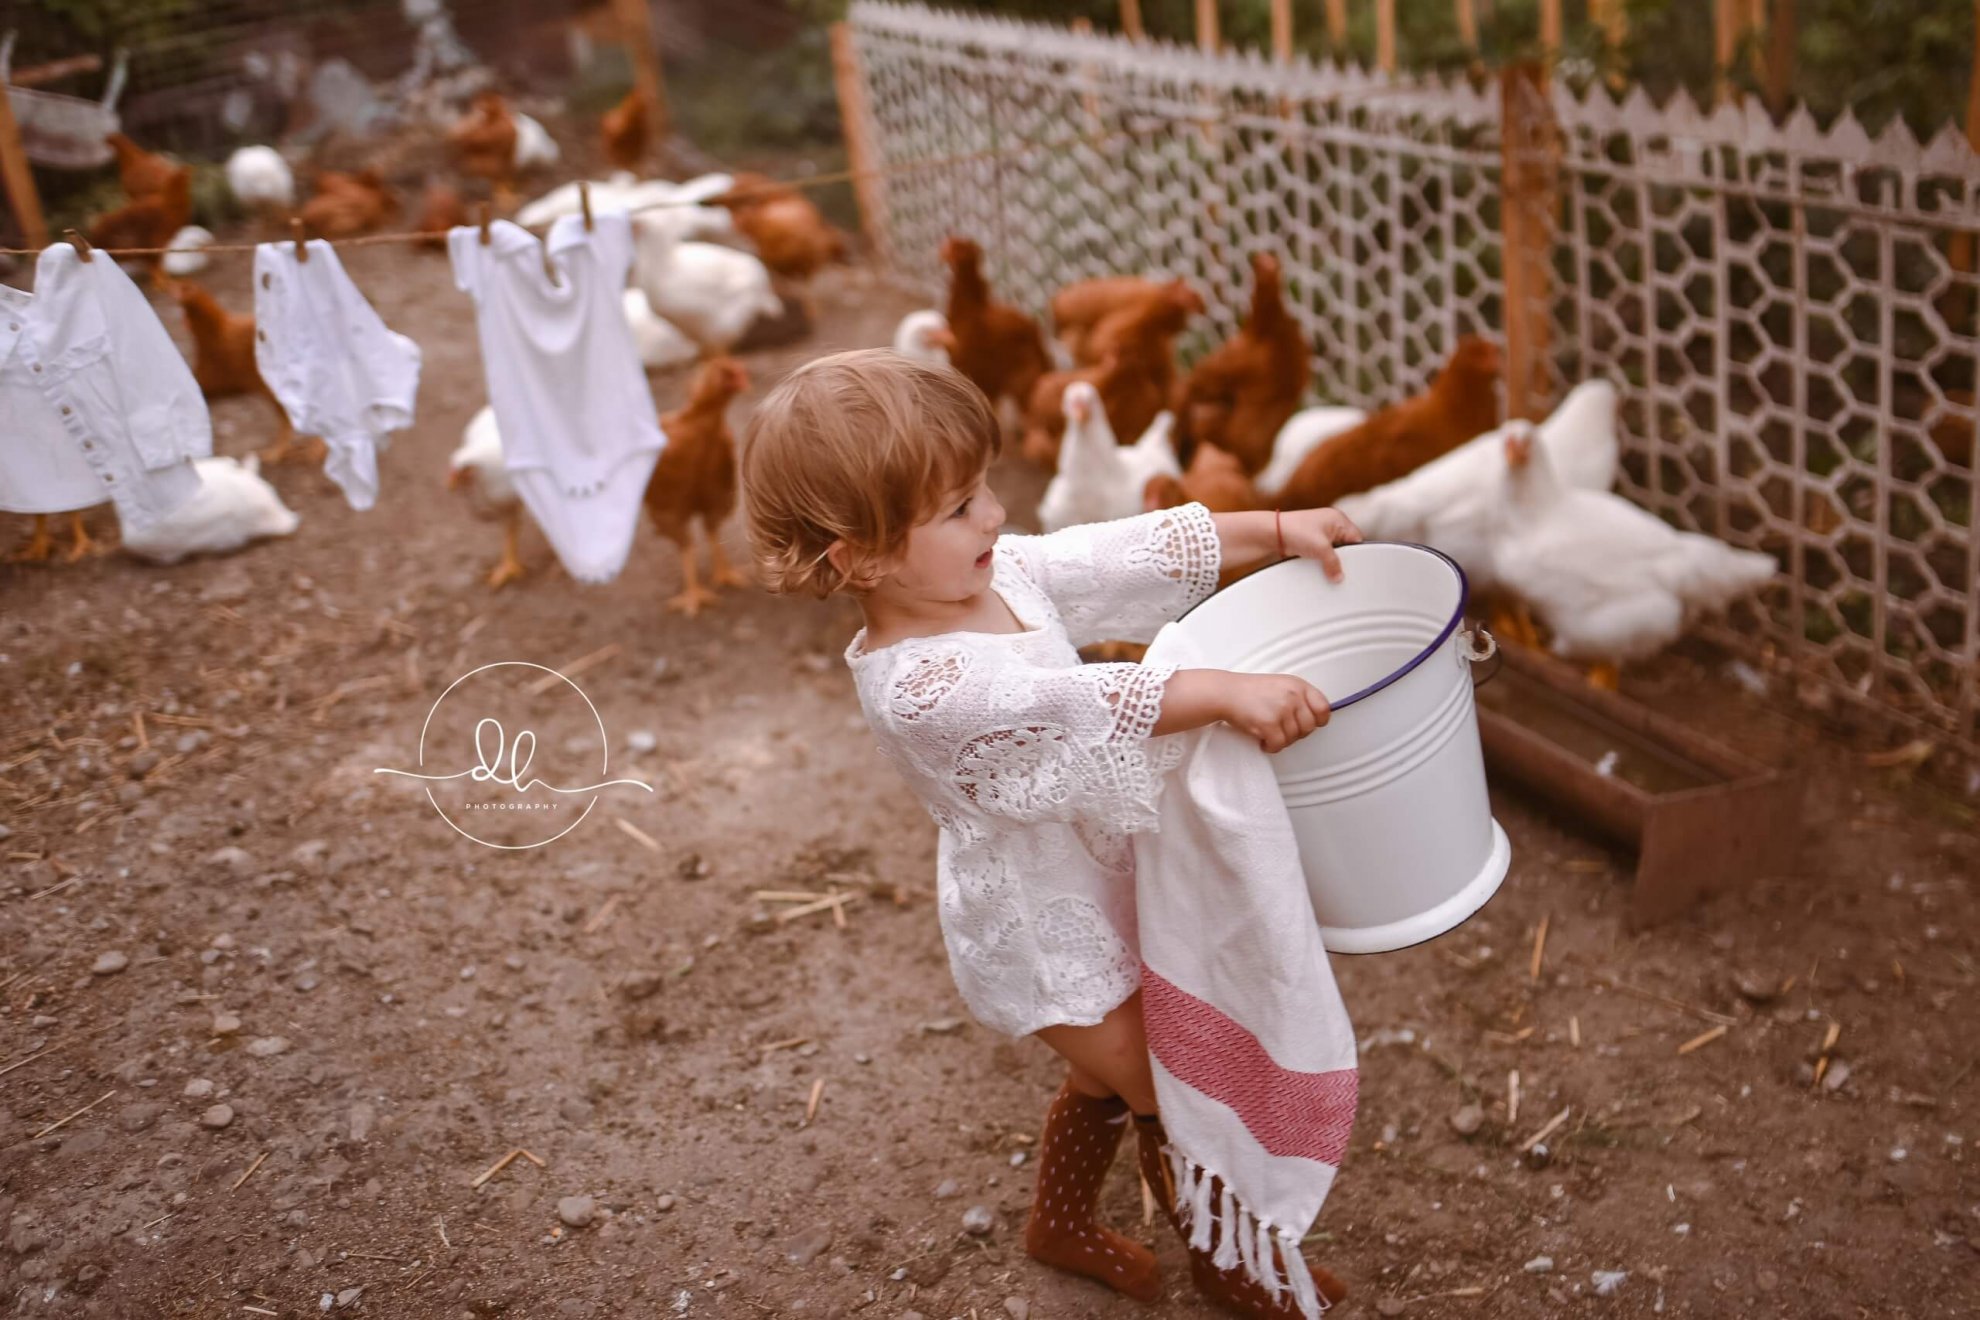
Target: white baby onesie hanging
x: 333, y: 365
x: 579, y: 432
x: 97, y: 403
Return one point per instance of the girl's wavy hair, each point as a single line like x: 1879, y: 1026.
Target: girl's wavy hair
x: 857, y: 447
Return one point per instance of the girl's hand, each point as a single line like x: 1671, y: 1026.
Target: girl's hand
x: 1276, y: 709
x: 1313, y: 534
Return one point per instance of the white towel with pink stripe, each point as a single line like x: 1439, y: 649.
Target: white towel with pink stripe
x: 1253, y: 1052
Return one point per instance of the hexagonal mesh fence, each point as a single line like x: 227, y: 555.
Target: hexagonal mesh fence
x: 1791, y: 313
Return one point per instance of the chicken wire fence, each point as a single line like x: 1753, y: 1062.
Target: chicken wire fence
x: 1790, y: 313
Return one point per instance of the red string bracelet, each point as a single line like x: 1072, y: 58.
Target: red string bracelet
x: 1279, y: 530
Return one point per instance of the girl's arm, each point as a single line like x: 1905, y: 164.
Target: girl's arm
x: 1307, y: 533
x: 1276, y: 709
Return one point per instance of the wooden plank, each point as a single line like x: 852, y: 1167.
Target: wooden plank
x: 1282, y: 30
x: 636, y: 29
x: 19, y: 178
x: 1783, y: 37
x: 1527, y: 200
x: 860, y: 156
x: 1206, y: 25
x: 1337, y: 34
x: 1467, y: 24
x: 56, y: 70
x: 1550, y: 30
x: 1131, y: 20
x: 1385, y: 35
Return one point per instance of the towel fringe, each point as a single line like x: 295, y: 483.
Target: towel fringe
x: 1227, y: 1252
x: 1298, y: 1278
x: 1242, y: 1239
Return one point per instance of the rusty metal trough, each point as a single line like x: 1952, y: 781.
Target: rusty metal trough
x: 1699, y: 815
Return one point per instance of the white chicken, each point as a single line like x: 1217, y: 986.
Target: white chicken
x: 261, y: 179
x: 659, y: 343
x: 925, y: 336
x: 535, y: 148
x: 1300, y: 436
x: 232, y: 507
x: 1452, y: 502
x: 477, y: 466
x: 1099, y: 479
x: 185, y: 253
x: 710, y: 293
x: 622, y: 192
x: 1611, y: 581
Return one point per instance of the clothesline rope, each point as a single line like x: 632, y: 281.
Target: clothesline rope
x: 814, y: 181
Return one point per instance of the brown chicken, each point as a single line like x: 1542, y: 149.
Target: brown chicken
x: 1077, y: 308
x: 142, y: 173
x: 696, y: 477
x: 1217, y: 481
x: 1135, y: 377
x: 1461, y: 404
x: 997, y: 346
x: 1239, y: 396
x: 346, y: 205
x: 622, y: 132
x: 485, y: 141
x: 440, y: 210
x: 224, y: 364
x: 148, y: 222
x: 791, y: 235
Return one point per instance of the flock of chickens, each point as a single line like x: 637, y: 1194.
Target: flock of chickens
x: 1527, y: 510
x: 1102, y: 405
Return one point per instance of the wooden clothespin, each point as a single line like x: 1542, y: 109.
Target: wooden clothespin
x: 302, y: 248
x: 584, y: 202
x: 79, y: 243
x: 487, y: 218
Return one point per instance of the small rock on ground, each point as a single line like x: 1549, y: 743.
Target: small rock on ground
x: 109, y: 963
x: 267, y: 1047
x: 577, y: 1211
x: 978, y: 1220
x: 217, y: 1117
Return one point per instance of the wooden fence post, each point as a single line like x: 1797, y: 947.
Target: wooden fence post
x: 860, y: 156
x: 1385, y: 35
x: 1467, y: 25
x: 636, y: 29
x: 1282, y: 31
x: 1782, y: 38
x: 1131, y: 19
x: 1550, y: 30
x: 1206, y: 25
x: 1337, y: 28
x: 19, y: 177
x: 1528, y: 166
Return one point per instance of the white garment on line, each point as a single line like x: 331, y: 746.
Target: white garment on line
x: 96, y: 400
x: 580, y: 435
x: 1038, y: 768
x: 333, y: 365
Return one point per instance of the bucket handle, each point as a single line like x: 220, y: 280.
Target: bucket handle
x: 1480, y: 646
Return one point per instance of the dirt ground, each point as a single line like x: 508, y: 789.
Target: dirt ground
x: 408, y: 1006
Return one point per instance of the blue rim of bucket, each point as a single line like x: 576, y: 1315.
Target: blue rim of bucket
x: 1464, y: 596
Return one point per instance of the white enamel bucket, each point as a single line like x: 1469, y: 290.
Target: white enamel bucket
x: 1388, y: 799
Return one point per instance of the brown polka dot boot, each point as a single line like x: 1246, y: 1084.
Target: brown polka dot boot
x: 1074, y: 1153
x: 1230, y: 1289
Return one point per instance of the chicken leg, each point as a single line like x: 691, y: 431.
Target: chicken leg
x: 1513, y: 622
x: 79, y: 541
x: 38, y: 545
x: 511, y: 566
x: 720, y: 569
x: 693, y: 595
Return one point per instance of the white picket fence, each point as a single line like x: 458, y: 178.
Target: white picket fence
x: 1787, y: 310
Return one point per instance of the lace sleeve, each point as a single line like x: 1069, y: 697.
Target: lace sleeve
x: 1122, y: 580
x: 1029, y: 745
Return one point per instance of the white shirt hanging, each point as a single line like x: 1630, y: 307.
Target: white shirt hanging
x: 98, y: 404
x: 579, y: 432
x: 1038, y: 767
x: 333, y: 365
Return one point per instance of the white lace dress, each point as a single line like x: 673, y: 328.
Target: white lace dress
x: 1037, y: 767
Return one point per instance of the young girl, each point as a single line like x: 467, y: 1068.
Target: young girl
x: 866, y: 473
